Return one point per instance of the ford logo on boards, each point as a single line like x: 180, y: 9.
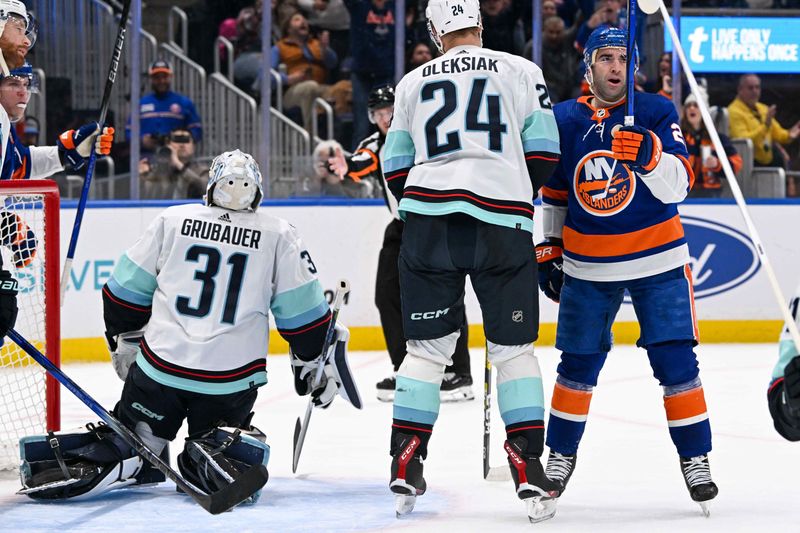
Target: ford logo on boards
x: 721, y: 257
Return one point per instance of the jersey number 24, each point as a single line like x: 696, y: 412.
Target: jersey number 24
x: 494, y: 126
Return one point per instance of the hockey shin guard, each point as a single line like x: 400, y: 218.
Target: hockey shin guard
x: 687, y: 418
x: 569, y: 410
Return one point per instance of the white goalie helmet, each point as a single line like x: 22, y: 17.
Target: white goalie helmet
x: 446, y: 16
x: 234, y: 182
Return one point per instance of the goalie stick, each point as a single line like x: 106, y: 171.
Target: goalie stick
x: 300, y: 429
x: 216, y: 502
x: 490, y: 473
x: 116, y: 57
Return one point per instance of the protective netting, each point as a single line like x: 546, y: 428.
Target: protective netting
x: 23, y: 407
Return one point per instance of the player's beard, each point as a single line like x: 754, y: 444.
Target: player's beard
x: 12, y: 54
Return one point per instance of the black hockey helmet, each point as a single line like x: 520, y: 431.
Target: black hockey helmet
x: 380, y: 97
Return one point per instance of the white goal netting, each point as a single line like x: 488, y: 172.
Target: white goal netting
x: 24, y: 244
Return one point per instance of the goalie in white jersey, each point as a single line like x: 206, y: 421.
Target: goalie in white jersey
x: 472, y: 139
x: 186, y: 314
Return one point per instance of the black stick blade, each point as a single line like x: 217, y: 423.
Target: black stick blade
x: 238, y: 491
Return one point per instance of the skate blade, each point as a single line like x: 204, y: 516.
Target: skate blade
x: 458, y: 395
x: 540, y: 509
x: 404, y: 504
x: 704, y: 507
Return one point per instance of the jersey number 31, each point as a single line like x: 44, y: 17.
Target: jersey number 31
x: 207, y: 276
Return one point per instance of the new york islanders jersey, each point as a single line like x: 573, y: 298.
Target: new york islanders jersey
x: 467, y: 133
x: 616, y: 224
x: 210, y: 277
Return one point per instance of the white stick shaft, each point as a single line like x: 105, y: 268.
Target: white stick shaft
x: 65, y: 277
x: 735, y: 189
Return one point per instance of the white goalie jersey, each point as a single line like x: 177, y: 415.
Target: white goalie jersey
x: 210, y: 276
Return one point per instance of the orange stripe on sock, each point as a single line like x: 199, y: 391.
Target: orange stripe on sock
x: 685, y: 404
x: 574, y: 402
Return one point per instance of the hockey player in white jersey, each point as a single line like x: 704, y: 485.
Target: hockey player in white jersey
x: 472, y: 139
x: 783, y: 395
x: 186, y: 314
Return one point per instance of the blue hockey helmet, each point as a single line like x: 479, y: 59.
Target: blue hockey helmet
x: 606, y: 37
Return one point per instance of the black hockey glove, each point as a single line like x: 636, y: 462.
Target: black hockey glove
x: 791, y: 387
x: 8, y: 302
x: 551, y: 270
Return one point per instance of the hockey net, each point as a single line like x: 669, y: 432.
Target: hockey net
x: 29, y: 235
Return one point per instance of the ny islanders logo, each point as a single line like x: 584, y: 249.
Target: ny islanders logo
x: 603, y: 186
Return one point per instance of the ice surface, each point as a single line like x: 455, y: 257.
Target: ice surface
x: 627, y: 477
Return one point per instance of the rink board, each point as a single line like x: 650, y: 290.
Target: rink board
x: 734, y: 300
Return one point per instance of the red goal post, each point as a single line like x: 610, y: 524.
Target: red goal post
x: 29, y: 243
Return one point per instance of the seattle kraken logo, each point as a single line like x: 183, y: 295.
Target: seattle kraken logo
x: 603, y: 186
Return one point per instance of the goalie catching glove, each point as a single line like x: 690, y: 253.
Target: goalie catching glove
x: 639, y: 147
x: 336, y: 375
x: 75, y: 146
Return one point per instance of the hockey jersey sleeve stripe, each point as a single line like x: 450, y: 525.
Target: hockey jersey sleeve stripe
x: 398, y: 151
x: 297, y: 301
x: 303, y: 319
x: 134, y: 279
x: 540, y: 132
x: 654, y: 236
x: 308, y: 326
x: 689, y: 170
x: 108, y: 291
x: 554, y: 196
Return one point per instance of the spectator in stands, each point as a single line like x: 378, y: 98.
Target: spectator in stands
x: 751, y: 119
x: 561, y: 62
x: 502, y: 28
x: 307, y: 63
x: 703, y: 158
x: 164, y: 110
x: 663, y: 83
x: 173, y: 173
x: 30, y: 132
x: 418, y: 55
x: 372, y: 48
x: 606, y: 14
x: 331, y: 16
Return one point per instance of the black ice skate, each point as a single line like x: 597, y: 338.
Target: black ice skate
x: 559, y: 469
x: 407, y: 482
x: 456, y: 388
x: 386, y: 388
x: 697, y: 474
x: 533, y: 487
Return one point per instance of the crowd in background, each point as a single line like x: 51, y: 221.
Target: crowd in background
x: 338, y: 50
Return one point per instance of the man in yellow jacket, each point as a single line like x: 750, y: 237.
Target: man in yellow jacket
x: 751, y: 119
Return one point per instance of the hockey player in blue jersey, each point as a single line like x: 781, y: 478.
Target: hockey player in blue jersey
x: 472, y: 140
x: 611, y: 224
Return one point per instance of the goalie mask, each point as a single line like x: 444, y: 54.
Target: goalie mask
x: 447, y: 16
x: 234, y: 182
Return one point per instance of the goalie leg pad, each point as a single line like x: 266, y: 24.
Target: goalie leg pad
x: 216, y: 458
x: 76, y: 465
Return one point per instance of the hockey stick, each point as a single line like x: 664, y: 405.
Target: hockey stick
x: 300, y: 429
x: 490, y: 473
x: 112, y: 75
x: 758, y: 244
x: 216, y: 502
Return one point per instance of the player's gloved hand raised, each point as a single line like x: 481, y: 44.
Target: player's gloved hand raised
x: 75, y: 146
x: 8, y: 303
x: 791, y: 386
x: 639, y: 147
x: 336, y: 375
x: 551, y: 270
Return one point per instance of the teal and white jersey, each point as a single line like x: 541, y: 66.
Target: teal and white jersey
x: 786, y: 348
x: 211, y: 277
x: 467, y: 132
